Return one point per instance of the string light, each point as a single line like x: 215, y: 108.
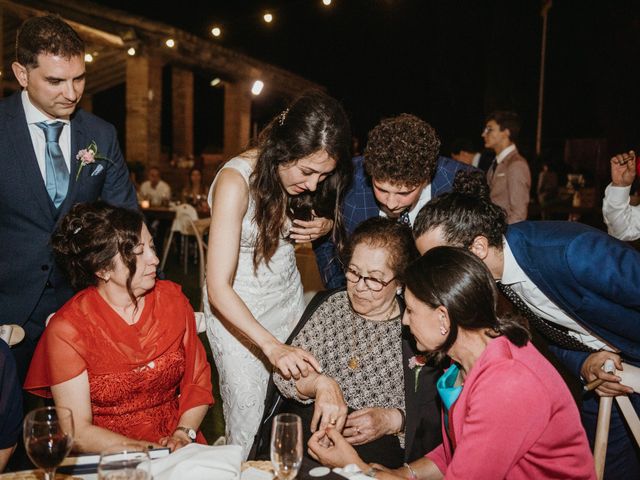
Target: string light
x: 216, y: 31
x: 326, y: 2
x: 131, y: 52
x: 170, y: 43
x: 215, y: 81
x: 88, y: 57
x: 257, y: 87
x: 268, y: 17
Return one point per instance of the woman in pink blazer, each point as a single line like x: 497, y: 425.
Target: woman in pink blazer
x: 507, y: 414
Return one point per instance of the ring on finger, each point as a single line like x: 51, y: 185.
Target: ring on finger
x: 358, y: 430
x: 333, y: 421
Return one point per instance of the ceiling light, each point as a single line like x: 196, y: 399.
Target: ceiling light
x: 257, y: 87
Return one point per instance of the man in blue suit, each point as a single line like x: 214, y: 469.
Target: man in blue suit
x: 399, y: 173
x: 52, y: 156
x: 578, y: 286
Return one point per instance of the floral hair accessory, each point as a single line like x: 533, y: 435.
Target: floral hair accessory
x: 417, y: 361
x: 283, y: 116
x: 87, y: 156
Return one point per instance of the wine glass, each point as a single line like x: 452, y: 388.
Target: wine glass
x: 124, y: 461
x: 286, y: 445
x: 48, y: 436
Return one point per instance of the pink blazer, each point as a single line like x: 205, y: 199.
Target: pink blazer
x: 510, y: 186
x: 515, y: 419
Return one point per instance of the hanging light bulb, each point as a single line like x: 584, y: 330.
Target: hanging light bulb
x: 257, y: 87
x: 268, y: 17
x: 88, y: 57
x: 131, y: 51
x: 216, y: 31
x: 170, y: 43
x: 326, y: 2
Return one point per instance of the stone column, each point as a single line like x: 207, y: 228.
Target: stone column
x: 144, y: 108
x: 237, y: 117
x: 182, y: 111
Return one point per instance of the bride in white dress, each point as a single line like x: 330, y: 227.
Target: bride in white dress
x: 253, y: 285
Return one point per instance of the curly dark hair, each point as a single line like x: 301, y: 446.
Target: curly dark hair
x: 402, y: 150
x: 462, y: 218
x: 48, y: 34
x: 313, y: 122
x: 89, y: 238
x: 459, y: 281
x: 388, y: 234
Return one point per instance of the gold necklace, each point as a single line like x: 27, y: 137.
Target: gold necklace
x: 354, y: 361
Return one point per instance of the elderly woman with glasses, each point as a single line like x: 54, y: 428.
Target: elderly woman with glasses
x: 371, y: 383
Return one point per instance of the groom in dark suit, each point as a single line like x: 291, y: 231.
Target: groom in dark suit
x: 577, y: 286
x: 52, y: 156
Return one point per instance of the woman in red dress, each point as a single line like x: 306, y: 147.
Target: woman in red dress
x: 123, y: 353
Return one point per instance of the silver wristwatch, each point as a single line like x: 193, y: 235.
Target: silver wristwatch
x: 191, y: 433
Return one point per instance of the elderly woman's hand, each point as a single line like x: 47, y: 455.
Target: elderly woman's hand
x: 330, y: 409
x: 368, y: 424
x: 174, y: 442
x: 308, y: 231
x: 291, y: 361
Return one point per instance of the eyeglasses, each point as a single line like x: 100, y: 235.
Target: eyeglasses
x: 372, y: 284
x: 487, y: 130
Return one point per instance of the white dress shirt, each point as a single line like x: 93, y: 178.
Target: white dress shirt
x: 622, y: 219
x: 539, y: 303
x: 505, y: 153
x: 37, y: 134
x: 162, y: 192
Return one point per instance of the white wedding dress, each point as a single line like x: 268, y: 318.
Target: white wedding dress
x: 274, y: 296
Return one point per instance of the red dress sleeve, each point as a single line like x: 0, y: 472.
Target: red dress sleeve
x: 58, y: 356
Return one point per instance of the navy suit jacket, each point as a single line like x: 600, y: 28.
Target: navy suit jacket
x: 360, y: 204
x: 27, y: 215
x: 591, y: 276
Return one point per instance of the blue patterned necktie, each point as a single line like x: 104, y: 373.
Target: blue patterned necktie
x: 404, y: 219
x: 57, y: 173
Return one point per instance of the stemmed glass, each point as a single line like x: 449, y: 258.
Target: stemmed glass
x: 48, y: 436
x: 286, y: 445
x: 124, y: 461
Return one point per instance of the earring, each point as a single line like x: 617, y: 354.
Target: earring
x: 443, y: 330
x: 399, y: 291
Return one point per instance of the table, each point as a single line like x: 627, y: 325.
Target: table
x: 307, y: 465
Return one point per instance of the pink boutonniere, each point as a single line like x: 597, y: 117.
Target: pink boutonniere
x: 416, y: 363
x: 87, y: 156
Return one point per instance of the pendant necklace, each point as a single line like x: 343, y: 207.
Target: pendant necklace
x: 354, y: 361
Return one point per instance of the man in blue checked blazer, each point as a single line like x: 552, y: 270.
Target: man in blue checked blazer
x: 399, y: 173
x: 35, y: 191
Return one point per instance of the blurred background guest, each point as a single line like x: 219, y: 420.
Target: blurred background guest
x: 463, y: 150
x: 507, y: 412
x: 509, y: 177
x: 547, y: 188
x: 194, y: 193
x: 367, y: 364
x: 154, y: 189
x: 10, y: 405
x: 622, y: 219
x: 123, y: 354
x: 253, y: 282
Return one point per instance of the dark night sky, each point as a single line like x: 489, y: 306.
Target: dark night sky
x: 450, y: 62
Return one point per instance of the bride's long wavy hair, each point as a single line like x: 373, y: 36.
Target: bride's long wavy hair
x: 313, y: 122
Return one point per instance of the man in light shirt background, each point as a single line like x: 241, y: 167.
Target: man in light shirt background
x: 622, y: 218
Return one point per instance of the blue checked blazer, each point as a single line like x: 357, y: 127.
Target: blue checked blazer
x: 360, y: 204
